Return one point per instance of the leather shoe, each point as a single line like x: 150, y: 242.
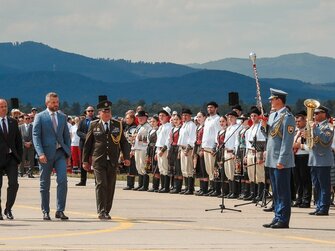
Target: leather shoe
x: 80, y: 184
x: 296, y: 204
x: 304, y: 206
x: 61, y: 215
x: 8, y: 214
x: 321, y: 213
x: 270, y: 209
x: 279, y: 225
x: 108, y: 216
x: 46, y: 216
x: 312, y: 213
x: 103, y: 216
x: 270, y: 224
x: 1, y: 217
x: 31, y: 176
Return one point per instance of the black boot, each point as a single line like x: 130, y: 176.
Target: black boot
x: 252, y: 192
x: 140, y: 183
x: 166, y: 188
x: 246, y: 190
x: 217, y: 189
x: 241, y: 195
x: 230, y: 188
x: 234, y: 190
x: 260, y: 190
x: 200, y: 191
x: 186, y: 186
x: 145, y: 186
x: 154, y: 185
x: 177, y: 186
x: 162, y: 182
x: 130, y: 183
x: 204, y: 187
x: 211, y: 188
x: 172, y: 182
x: 190, y: 189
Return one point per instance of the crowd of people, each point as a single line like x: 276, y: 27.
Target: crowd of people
x: 239, y: 155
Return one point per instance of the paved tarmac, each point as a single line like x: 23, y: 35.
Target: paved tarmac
x: 151, y: 221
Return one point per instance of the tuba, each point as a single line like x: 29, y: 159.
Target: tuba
x: 311, y: 105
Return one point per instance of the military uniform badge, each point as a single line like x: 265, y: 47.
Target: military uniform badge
x: 290, y: 129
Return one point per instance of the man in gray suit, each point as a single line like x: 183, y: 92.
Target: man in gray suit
x: 26, y: 130
x: 321, y: 160
x: 279, y: 130
x: 52, y: 142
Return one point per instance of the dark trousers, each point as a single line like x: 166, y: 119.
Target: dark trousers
x: 28, y: 154
x: 302, y: 179
x: 83, y: 172
x: 321, y: 183
x: 105, y: 180
x: 280, y: 182
x: 11, y: 170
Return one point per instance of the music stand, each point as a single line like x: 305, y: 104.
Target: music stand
x: 222, y: 206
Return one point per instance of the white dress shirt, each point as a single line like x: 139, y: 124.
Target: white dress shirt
x: 163, y: 134
x: 187, y: 134
x: 211, y: 129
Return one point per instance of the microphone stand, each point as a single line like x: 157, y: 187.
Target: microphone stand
x: 221, y: 171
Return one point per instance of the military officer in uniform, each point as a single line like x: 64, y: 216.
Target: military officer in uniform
x: 321, y: 160
x: 104, y: 140
x: 279, y: 130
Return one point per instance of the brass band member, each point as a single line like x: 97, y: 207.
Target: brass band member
x: 321, y: 160
x: 301, y: 172
x: 151, y: 154
x: 198, y: 156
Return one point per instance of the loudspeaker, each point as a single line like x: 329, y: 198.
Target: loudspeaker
x: 233, y: 98
x: 102, y: 98
x: 14, y: 102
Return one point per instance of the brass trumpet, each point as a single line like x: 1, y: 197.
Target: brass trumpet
x: 311, y: 105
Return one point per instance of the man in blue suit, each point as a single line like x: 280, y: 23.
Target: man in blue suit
x: 279, y: 131
x: 321, y: 159
x: 52, y: 143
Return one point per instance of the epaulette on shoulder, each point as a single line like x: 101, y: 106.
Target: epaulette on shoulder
x: 288, y: 113
x: 95, y: 121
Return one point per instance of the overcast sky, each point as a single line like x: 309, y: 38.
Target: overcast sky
x: 180, y: 31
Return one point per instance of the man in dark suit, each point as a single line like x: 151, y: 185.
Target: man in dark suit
x: 52, y: 142
x: 81, y: 132
x: 10, y: 156
x: 26, y: 130
x: 104, y: 140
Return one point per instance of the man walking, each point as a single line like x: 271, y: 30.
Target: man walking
x: 52, y: 143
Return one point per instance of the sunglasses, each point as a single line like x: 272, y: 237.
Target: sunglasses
x: 90, y: 111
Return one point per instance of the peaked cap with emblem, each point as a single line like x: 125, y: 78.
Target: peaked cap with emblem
x: 275, y: 93
x: 322, y: 108
x: 104, y: 105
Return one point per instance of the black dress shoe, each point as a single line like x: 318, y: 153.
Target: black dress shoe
x: 8, y: 214
x: 270, y: 224
x: 279, y: 225
x: 312, y: 213
x: 81, y: 184
x: 270, y: 209
x: 296, y: 204
x: 31, y: 176
x: 108, y: 217
x: 46, y: 216
x: 1, y: 217
x: 61, y: 215
x: 102, y: 216
x: 320, y: 213
x: 304, y: 206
